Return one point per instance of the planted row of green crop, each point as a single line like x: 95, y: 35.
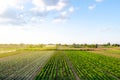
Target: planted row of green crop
x: 93, y: 67
x: 56, y: 69
x: 108, y: 64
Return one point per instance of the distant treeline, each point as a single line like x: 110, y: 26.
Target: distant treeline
x: 74, y: 45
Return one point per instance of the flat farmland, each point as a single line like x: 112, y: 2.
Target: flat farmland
x: 59, y: 65
x: 80, y: 65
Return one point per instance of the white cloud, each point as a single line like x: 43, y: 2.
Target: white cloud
x: 38, y: 3
x: 98, y: 0
x: 71, y: 9
x: 19, y: 12
x: 12, y: 16
x: 56, y: 6
x: 61, y: 4
x: 35, y: 20
x: 49, y: 5
x: 21, y: 7
x: 4, y: 4
x: 38, y: 9
x: 91, y: 7
x: 59, y: 20
x: 64, y: 15
x: 4, y: 20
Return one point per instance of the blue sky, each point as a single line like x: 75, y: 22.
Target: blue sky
x: 59, y: 21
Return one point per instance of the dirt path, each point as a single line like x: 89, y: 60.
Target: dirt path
x: 71, y: 67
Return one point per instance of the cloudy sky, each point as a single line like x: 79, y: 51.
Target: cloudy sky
x: 59, y: 21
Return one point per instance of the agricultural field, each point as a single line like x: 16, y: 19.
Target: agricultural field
x: 51, y: 64
x: 56, y: 69
x: 80, y: 65
x: 93, y: 66
x: 24, y: 65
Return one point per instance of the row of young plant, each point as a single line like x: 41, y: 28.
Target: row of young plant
x: 56, y: 69
x: 89, y: 66
x: 23, y: 66
x: 109, y: 64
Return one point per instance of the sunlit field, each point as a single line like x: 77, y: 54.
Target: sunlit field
x: 59, y: 39
x: 28, y: 62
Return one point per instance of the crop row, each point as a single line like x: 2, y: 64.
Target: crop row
x: 93, y: 66
x: 56, y: 69
x: 23, y: 66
